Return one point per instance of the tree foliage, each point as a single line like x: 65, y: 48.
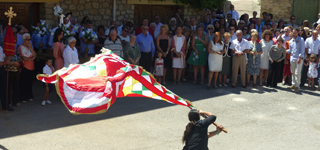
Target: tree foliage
x: 202, y: 4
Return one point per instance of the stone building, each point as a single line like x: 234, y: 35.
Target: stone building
x: 99, y: 11
x: 283, y: 9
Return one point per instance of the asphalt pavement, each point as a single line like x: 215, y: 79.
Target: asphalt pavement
x: 257, y: 119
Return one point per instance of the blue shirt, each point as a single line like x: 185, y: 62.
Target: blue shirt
x: 52, y: 36
x: 146, y: 43
x: 36, y: 39
x: 83, y: 45
x: 296, y: 48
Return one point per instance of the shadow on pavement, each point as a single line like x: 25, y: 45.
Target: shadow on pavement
x: 3, y: 148
x: 32, y: 117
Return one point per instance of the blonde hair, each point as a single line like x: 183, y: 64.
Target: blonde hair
x: 164, y: 27
x: 226, y: 34
x: 210, y: 25
x: 254, y: 34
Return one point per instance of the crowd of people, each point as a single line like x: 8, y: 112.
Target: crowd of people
x: 222, y: 45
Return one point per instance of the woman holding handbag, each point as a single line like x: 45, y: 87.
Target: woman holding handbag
x: 178, y: 55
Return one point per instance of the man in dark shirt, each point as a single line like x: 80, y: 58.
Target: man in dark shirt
x: 196, y: 135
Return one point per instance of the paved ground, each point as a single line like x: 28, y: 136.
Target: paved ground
x: 262, y: 118
x: 246, y: 6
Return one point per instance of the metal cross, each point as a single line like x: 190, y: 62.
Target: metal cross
x: 10, y: 14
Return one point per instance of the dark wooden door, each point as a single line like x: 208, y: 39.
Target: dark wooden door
x: 165, y: 12
x: 21, y: 9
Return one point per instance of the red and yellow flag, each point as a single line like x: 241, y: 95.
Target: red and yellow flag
x: 9, y: 42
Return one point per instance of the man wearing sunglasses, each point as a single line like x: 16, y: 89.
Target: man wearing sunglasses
x: 292, y: 22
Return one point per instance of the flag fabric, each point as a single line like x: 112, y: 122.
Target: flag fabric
x: 8, y: 42
x: 92, y: 87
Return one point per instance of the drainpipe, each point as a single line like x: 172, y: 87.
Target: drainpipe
x: 114, y: 9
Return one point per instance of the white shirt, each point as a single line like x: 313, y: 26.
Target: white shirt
x: 158, y: 27
x: 127, y: 39
x: 233, y: 37
x: 285, y: 38
x: 70, y: 56
x: 240, y: 46
x: 194, y: 28
x: 313, y: 46
x: 2, y: 55
x: 47, y: 70
x: 318, y: 22
x: 235, y: 15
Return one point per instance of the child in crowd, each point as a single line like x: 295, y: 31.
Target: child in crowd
x: 158, y: 65
x: 48, y: 70
x: 312, y: 72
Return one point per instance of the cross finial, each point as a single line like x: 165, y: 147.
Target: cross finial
x: 10, y: 14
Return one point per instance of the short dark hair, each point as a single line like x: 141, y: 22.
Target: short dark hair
x: 56, y: 34
x: 46, y: 59
x: 296, y: 29
x: 89, y: 22
x: 280, y: 39
x: 101, y: 27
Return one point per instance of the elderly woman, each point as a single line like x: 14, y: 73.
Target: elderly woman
x: 70, y: 54
x: 253, y: 65
x: 226, y: 63
x: 132, y: 51
x: 172, y: 25
x: 58, y: 48
x: 210, y: 33
x: 28, y: 55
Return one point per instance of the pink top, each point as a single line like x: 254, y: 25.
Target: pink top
x: 58, y: 49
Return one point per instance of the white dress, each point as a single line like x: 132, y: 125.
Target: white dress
x: 178, y: 62
x: 159, y: 67
x: 215, y: 60
x: 312, y: 71
x: 264, y: 59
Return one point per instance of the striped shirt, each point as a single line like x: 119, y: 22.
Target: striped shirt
x: 116, y: 46
x: 277, y: 54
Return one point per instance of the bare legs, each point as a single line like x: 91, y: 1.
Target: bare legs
x: 224, y: 79
x: 211, y: 74
x: 264, y: 72
x: 195, y: 73
x: 164, y: 75
x: 175, y: 70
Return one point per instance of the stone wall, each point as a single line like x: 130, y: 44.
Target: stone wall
x: 281, y: 9
x: 99, y: 11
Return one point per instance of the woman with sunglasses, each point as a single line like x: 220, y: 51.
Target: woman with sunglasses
x: 210, y: 30
x: 28, y: 55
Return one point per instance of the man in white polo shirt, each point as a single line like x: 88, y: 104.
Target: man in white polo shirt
x: 312, y: 46
x: 239, y: 48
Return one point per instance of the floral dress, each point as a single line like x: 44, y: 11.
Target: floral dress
x: 253, y: 65
x: 201, y: 59
x: 312, y: 71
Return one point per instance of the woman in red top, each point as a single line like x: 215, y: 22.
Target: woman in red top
x: 28, y: 55
x: 58, y: 49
